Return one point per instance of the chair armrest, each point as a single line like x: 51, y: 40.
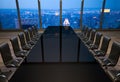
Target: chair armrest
x: 10, y: 65
x: 2, y: 76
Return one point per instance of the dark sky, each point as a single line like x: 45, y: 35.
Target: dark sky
x: 54, y: 4
x: 93, y: 3
x: 113, y: 4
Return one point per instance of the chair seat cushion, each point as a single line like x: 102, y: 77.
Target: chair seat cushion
x: 14, y: 62
x: 105, y: 62
x: 114, y: 74
x: 99, y: 53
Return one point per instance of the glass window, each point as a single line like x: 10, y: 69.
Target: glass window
x: 8, y: 14
x: 50, y: 13
x: 91, y: 13
x: 29, y: 13
x: 112, y: 15
x: 71, y: 13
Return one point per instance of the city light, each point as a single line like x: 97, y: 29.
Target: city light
x: 106, y: 10
x: 56, y: 13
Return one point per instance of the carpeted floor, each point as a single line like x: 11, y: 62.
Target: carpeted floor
x: 60, y: 72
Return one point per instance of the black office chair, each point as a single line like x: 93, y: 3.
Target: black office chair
x: 24, y: 45
x: 35, y: 32
x: 86, y: 38
x: 32, y: 35
x: 92, y: 36
x: 8, y: 60
x: 113, y: 57
x: 3, y: 79
x: 114, y: 74
x: 97, y: 41
x: 30, y: 32
x: 85, y: 31
x: 28, y: 39
x: 104, y: 47
x: 16, y: 48
x: 5, y: 75
x: 82, y: 33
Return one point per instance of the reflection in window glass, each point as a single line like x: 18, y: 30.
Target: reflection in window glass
x: 71, y: 12
x: 91, y: 13
x: 50, y: 13
x: 8, y: 14
x: 112, y: 16
x: 29, y: 13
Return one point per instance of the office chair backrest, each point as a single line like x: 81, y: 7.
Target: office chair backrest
x: 92, y: 35
x: 98, y: 38
x: 36, y: 30
x: 27, y: 36
x: 86, y: 30
x: 5, y: 53
x: 33, y: 30
x: 88, y: 33
x: 105, y: 44
x: 30, y: 32
x: 22, y: 39
x: 115, y: 52
x: 15, y: 44
x: 83, y: 29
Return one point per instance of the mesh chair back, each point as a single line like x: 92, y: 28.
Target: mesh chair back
x: 105, y: 44
x: 85, y: 32
x: 83, y: 29
x: 27, y: 36
x: 22, y: 39
x: 115, y: 52
x: 33, y: 29
x: 88, y: 33
x: 30, y: 32
x: 98, y: 38
x: 92, y: 35
x: 15, y: 44
x: 5, y: 53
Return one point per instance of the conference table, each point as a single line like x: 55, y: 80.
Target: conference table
x: 59, y: 44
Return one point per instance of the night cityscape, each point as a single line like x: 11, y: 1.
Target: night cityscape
x: 91, y: 18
